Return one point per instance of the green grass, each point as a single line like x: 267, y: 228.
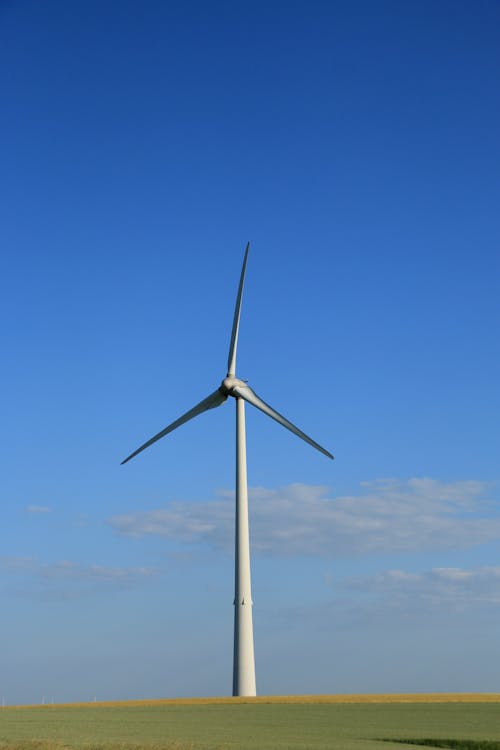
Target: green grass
x: 251, y: 727
x: 453, y: 744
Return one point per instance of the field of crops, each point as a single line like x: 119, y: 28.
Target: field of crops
x: 463, y: 722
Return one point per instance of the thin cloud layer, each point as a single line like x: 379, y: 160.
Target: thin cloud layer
x: 454, y: 588
x: 66, y: 570
x: 388, y: 516
x: 453, y: 597
x: 449, y: 598
x: 38, y: 509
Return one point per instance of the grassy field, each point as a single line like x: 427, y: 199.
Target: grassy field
x: 310, y: 723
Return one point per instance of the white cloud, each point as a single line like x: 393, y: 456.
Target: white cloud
x: 388, y: 516
x: 40, y: 509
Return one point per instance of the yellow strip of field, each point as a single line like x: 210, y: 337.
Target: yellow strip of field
x: 302, y: 699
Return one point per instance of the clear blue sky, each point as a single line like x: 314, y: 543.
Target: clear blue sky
x: 356, y: 145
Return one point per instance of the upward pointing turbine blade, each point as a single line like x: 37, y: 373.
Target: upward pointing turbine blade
x: 215, y: 399
x: 245, y: 392
x: 231, y: 360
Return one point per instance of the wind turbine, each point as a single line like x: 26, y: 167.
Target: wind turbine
x: 244, y: 662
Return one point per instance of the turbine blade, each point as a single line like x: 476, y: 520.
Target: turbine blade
x: 215, y: 399
x: 245, y: 392
x: 231, y: 360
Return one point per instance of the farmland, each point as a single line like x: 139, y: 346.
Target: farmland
x: 468, y: 722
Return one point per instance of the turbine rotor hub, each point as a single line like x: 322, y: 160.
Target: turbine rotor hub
x: 229, y: 383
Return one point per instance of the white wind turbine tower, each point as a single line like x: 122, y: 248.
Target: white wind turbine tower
x: 244, y: 662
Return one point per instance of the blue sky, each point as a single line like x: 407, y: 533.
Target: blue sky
x: 356, y: 146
